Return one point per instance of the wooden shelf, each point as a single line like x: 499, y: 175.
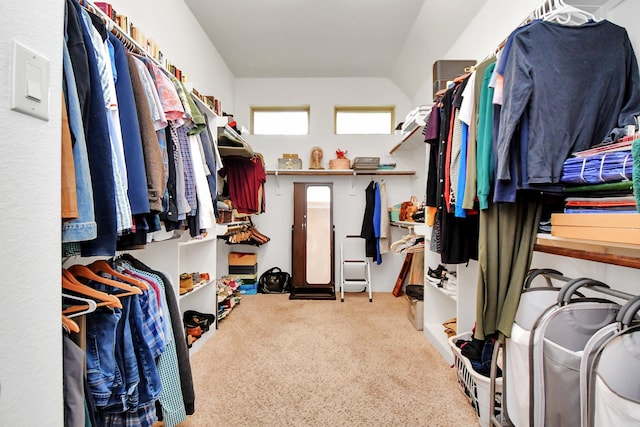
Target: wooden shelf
x: 625, y: 255
x: 338, y: 172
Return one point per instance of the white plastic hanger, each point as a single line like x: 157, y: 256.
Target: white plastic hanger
x: 564, y: 14
x: 91, y: 305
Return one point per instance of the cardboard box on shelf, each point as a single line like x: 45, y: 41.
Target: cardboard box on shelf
x: 613, y: 228
x: 241, y: 258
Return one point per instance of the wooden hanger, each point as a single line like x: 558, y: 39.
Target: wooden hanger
x: 70, y: 325
x: 439, y: 95
x: 461, y: 77
x: 102, y: 266
x: 84, y: 272
x: 70, y: 283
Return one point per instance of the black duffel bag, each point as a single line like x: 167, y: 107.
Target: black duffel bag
x: 274, y: 281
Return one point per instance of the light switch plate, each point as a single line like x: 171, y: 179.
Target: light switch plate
x: 30, y: 82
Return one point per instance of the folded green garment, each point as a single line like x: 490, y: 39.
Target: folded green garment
x: 622, y: 186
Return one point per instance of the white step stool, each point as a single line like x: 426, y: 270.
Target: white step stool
x: 354, y: 265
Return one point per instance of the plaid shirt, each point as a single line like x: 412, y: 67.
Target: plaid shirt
x: 173, y: 409
x: 181, y: 200
x: 189, y: 176
x: 144, y: 416
x: 153, y: 323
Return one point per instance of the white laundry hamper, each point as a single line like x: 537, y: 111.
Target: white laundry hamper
x: 615, y: 379
x: 534, y: 301
x: 557, y: 343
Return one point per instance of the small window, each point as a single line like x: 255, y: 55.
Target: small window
x: 364, y: 120
x: 280, y: 120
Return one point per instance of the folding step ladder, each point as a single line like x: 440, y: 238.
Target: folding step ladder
x: 354, y: 265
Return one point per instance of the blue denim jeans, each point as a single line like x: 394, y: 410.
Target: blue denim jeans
x: 101, y: 361
x: 124, y: 391
x: 84, y: 227
x: 150, y: 386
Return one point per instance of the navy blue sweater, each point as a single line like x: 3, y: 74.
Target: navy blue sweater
x: 578, y: 85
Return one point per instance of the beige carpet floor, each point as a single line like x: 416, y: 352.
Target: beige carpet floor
x: 276, y: 362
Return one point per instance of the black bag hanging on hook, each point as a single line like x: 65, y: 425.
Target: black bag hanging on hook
x: 274, y: 281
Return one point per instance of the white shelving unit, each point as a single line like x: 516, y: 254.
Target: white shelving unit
x: 187, y: 255
x: 440, y: 306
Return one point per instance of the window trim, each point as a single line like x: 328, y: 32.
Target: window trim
x: 364, y: 109
x: 288, y: 108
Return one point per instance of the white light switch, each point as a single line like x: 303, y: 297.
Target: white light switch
x: 33, y: 83
x: 30, y: 82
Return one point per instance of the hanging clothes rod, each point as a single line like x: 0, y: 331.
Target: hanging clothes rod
x: 125, y: 38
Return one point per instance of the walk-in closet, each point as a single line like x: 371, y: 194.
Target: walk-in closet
x: 341, y: 213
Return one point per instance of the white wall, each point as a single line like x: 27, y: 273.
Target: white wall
x: 624, y: 14
x: 322, y: 95
x: 31, y: 351
x: 429, y: 39
x: 183, y: 42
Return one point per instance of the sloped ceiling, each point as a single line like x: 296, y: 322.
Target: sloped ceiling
x: 396, y: 39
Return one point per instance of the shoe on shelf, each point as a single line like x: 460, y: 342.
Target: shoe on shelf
x: 451, y: 323
x: 195, y: 318
x: 190, y: 340
x: 452, y: 278
x: 196, y: 278
x: 193, y: 331
x: 450, y: 332
x: 450, y: 285
x: 437, y: 275
x: 186, y: 283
